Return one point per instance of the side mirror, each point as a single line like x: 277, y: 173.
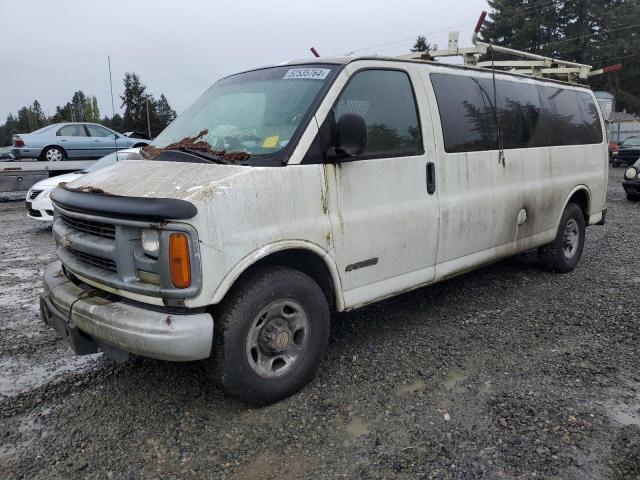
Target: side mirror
x: 351, y: 135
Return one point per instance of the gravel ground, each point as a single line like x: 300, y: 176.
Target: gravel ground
x: 505, y: 372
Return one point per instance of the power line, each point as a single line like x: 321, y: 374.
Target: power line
x: 600, y: 32
x: 619, y: 58
x: 534, y: 7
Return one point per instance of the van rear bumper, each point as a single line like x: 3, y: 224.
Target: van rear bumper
x: 89, y: 319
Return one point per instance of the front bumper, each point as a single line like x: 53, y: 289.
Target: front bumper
x: 39, y: 210
x: 88, y: 318
x: 631, y: 188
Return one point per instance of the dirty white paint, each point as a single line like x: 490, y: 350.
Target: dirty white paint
x: 353, y: 212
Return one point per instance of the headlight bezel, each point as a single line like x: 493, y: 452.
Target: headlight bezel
x: 150, y: 242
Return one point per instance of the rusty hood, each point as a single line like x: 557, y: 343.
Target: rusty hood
x: 153, y: 179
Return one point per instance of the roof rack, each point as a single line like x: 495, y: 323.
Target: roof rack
x: 535, y: 65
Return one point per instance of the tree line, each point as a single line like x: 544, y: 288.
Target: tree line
x: 598, y: 33
x: 84, y: 108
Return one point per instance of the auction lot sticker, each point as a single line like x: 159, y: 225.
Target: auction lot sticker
x: 307, y: 73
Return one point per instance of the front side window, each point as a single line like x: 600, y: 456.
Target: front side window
x: 72, y: 131
x: 96, y: 131
x: 385, y: 99
x: 256, y: 112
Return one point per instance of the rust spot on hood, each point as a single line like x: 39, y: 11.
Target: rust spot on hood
x: 196, y: 143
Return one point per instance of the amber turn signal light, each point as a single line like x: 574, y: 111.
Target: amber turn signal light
x: 179, y: 261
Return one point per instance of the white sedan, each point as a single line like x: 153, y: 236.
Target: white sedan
x: 39, y: 205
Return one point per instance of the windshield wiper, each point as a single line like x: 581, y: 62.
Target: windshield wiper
x: 200, y: 154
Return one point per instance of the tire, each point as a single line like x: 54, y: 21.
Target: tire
x: 563, y: 254
x: 53, y: 154
x: 271, y: 307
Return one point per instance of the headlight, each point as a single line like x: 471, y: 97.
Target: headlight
x: 631, y: 173
x: 150, y: 243
x: 614, y: 153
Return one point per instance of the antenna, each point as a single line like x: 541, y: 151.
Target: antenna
x: 113, y: 108
x: 315, y: 52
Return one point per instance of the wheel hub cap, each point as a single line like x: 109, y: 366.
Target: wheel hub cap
x: 275, y: 336
x: 571, y: 238
x: 278, y: 338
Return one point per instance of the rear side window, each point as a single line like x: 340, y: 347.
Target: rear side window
x: 529, y: 115
x: 468, y: 121
x: 385, y: 99
x: 72, y: 131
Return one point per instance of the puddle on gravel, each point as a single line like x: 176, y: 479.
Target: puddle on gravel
x: 268, y: 466
x: 411, y: 387
x: 454, y: 381
x: 624, y: 412
x: 19, y: 375
x: 623, y: 407
x: 357, y: 427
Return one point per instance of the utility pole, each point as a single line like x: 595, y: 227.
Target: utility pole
x: 148, y: 118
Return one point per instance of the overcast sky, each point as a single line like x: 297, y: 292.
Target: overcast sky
x: 52, y: 48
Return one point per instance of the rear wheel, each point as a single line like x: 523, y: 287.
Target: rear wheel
x: 52, y: 154
x: 270, y: 337
x: 563, y: 254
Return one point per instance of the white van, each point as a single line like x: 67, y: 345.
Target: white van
x: 287, y: 193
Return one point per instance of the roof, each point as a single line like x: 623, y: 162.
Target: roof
x: 345, y: 60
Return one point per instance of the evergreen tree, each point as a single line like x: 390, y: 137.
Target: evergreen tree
x: 421, y: 45
x: 596, y: 33
x: 134, y: 102
x: 91, y: 110
x: 165, y: 113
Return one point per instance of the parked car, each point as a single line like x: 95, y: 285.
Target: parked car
x: 62, y: 141
x: 627, y: 153
x: 290, y: 192
x: 38, y: 201
x: 631, y: 184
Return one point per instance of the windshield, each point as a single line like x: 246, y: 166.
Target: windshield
x: 632, y: 142
x: 256, y: 112
x: 111, y: 159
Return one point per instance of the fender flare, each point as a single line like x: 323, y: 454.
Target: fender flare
x: 575, y: 190
x: 252, y: 258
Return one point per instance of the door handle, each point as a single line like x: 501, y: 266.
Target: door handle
x: 431, y: 178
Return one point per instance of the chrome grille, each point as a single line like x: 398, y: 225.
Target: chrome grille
x: 34, y: 194
x: 105, y: 230
x: 94, y: 260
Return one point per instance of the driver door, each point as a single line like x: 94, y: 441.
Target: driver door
x: 103, y: 141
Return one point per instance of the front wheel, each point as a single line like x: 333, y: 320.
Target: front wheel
x: 53, y: 154
x: 563, y: 254
x: 271, y: 334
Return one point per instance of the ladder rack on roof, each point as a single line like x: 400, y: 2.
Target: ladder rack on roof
x: 534, y: 65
